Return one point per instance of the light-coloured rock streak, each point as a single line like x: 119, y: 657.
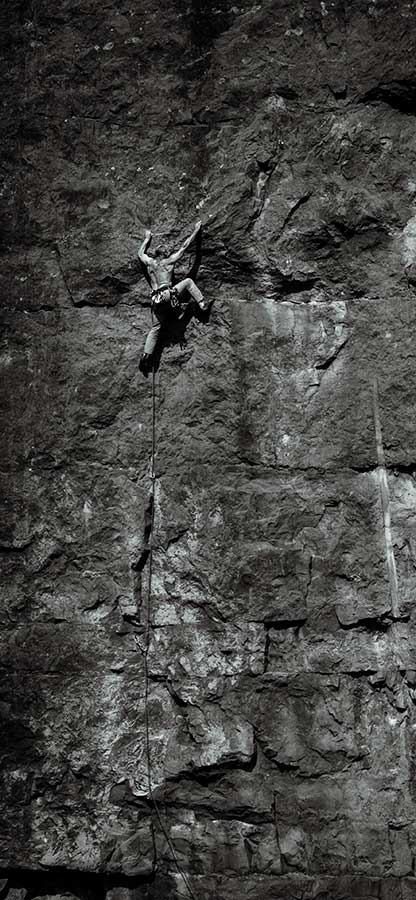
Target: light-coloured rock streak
x: 381, y: 473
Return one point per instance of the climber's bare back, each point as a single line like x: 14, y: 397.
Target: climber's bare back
x: 160, y: 272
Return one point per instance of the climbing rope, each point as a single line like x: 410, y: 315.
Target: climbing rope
x: 146, y: 654
x: 25, y: 223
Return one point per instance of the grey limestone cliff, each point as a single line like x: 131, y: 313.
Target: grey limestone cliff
x: 281, y: 682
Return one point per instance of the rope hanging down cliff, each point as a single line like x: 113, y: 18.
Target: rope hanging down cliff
x: 146, y: 653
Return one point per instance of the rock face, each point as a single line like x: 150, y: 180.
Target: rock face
x: 281, y: 667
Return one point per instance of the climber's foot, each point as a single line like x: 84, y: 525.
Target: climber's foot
x: 206, y: 311
x: 145, y: 364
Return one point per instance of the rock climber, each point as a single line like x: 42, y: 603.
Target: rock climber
x: 170, y: 302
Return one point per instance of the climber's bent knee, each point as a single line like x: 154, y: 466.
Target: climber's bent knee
x: 189, y: 285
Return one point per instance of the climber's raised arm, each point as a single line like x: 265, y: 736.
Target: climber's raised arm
x: 143, y: 247
x: 174, y: 257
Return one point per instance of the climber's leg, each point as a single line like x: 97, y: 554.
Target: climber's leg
x: 152, y: 339
x: 188, y: 285
x: 149, y: 358
x: 187, y: 312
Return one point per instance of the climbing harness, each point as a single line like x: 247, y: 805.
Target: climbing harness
x: 151, y: 509
x: 165, y: 296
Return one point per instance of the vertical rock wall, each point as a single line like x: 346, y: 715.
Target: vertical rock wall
x: 282, y: 662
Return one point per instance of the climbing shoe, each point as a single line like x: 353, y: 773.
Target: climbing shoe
x: 204, y: 312
x: 145, y: 364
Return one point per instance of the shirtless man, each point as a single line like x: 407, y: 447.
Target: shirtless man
x: 166, y: 297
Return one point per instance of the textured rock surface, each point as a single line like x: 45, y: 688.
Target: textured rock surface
x: 282, y: 659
